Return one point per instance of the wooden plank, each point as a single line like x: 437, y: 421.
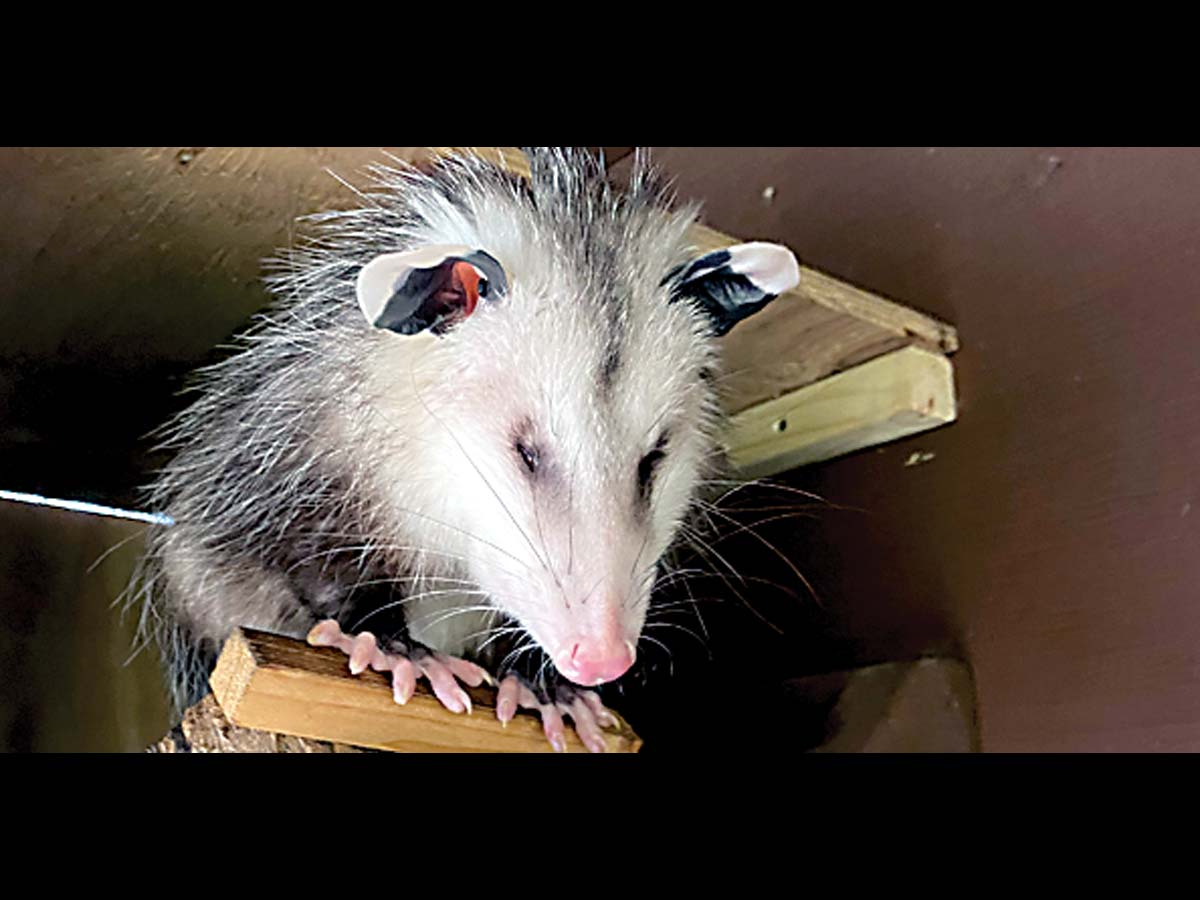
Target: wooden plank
x: 283, y: 685
x: 206, y: 729
x: 833, y: 294
x: 820, y: 327
x: 904, y: 392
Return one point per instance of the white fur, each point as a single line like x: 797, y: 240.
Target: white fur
x: 324, y: 420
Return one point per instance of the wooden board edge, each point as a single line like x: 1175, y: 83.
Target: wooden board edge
x: 892, y: 396
x: 815, y: 286
x: 231, y: 677
x: 838, y: 295
x: 281, y: 685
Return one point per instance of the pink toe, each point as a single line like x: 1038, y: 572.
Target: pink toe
x: 552, y: 724
x: 599, y: 710
x: 324, y: 634
x: 506, y: 699
x: 361, y: 652
x: 445, y: 688
x: 586, y: 727
x: 404, y: 681
x: 465, y: 671
x: 527, y: 699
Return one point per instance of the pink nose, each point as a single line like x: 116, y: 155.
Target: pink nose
x: 593, y: 662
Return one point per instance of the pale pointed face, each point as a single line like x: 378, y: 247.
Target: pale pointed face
x: 579, y: 463
x: 554, y: 436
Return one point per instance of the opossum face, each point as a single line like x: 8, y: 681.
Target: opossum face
x: 586, y: 456
x: 557, y: 426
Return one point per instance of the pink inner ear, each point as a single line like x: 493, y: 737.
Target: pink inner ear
x: 466, y: 280
x: 457, y: 296
x: 770, y: 266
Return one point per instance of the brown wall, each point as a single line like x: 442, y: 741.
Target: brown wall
x: 120, y: 270
x: 128, y: 266
x: 69, y: 677
x: 1054, y: 539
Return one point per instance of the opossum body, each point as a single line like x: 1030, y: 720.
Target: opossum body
x: 461, y: 439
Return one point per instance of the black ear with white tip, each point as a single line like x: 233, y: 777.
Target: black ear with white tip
x: 430, y: 288
x: 736, y: 282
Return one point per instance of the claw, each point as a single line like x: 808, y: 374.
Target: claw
x: 585, y: 709
x: 440, y: 671
x: 447, y: 690
x: 587, y: 712
x: 404, y: 681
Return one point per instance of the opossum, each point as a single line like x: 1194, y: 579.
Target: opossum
x: 461, y: 439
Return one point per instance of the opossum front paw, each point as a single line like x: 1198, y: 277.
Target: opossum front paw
x: 406, y: 666
x: 583, y: 706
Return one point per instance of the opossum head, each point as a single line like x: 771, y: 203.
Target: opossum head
x: 545, y: 356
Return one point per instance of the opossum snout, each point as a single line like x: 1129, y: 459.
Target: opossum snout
x: 595, y: 642
x: 589, y: 660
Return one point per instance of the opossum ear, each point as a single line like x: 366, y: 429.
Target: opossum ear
x: 736, y: 282
x: 433, y: 287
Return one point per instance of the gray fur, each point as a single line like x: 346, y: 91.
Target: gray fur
x: 327, y: 456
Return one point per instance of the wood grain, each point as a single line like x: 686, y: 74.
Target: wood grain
x: 905, y: 392
x: 820, y: 327
x: 206, y: 729
x: 278, y: 684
